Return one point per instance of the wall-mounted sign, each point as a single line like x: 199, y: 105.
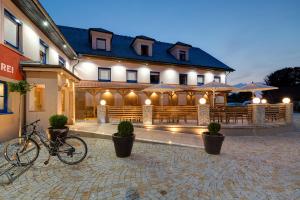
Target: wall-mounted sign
x: 10, y: 63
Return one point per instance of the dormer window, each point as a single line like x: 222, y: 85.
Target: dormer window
x: 143, y: 45
x: 100, y: 43
x: 182, y: 55
x: 144, y: 50
x: 180, y: 51
x: 100, y: 39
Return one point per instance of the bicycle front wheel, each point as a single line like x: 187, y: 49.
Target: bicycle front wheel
x: 21, y: 151
x: 72, y: 151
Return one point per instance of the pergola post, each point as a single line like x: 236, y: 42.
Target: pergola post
x: 147, y: 114
x: 258, y: 114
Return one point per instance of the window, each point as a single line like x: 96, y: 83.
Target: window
x: 182, y: 55
x: 3, y: 97
x: 200, y: 79
x: 43, y: 52
x: 131, y: 76
x: 183, y: 79
x: 12, y: 27
x: 36, y: 98
x: 144, y: 50
x: 100, y: 43
x: 154, y: 77
x: 217, y: 79
x: 104, y: 74
x: 61, y: 61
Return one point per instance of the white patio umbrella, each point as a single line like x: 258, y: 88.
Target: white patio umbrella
x: 215, y: 87
x: 254, y: 87
x: 162, y: 88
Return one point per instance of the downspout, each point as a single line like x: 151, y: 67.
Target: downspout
x: 78, y: 60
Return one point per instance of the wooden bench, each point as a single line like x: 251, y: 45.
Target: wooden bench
x: 129, y: 113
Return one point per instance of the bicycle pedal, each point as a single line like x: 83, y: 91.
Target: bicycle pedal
x: 46, y: 162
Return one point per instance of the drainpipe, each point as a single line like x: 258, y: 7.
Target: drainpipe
x: 78, y: 60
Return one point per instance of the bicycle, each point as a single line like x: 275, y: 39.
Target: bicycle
x: 25, y: 150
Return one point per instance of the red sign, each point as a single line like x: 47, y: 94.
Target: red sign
x: 10, y: 63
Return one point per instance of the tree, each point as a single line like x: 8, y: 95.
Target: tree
x: 286, y: 77
x: 288, y: 82
x: 21, y: 87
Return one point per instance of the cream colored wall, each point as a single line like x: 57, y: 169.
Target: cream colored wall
x: 10, y: 122
x: 87, y: 69
x: 50, y: 81
x: 31, y: 36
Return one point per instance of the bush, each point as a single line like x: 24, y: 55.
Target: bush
x: 58, y: 121
x: 125, y: 129
x: 214, y: 128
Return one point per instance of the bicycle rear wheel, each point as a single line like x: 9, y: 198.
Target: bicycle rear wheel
x: 21, y: 151
x: 72, y: 151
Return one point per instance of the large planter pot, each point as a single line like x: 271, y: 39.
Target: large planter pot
x: 123, y: 145
x: 58, y: 133
x: 212, y: 143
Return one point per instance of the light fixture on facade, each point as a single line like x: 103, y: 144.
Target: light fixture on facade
x: 102, y: 102
x: 286, y: 100
x: 202, y: 101
x: 256, y: 100
x: 64, y: 46
x: 61, y: 73
x: 264, y: 101
x: 18, y: 21
x: 45, y: 23
x: 148, y: 102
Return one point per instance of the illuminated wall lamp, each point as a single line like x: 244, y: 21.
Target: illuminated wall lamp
x: 256, y: 100
x: 202, y: 101
x: 286, y: 100
x: 102, y: 102
x: 264, y: 101
x: 148, y: 102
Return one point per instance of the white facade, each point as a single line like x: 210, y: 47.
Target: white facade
x: 30, y: 37
x: 87, y: 69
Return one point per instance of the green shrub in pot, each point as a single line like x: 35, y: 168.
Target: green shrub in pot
x: 213, y: 139
x: 58, y: 127
x: 214, y: 128
x: 125, y: 129
x: 58, y: 121
x: 123, y: 139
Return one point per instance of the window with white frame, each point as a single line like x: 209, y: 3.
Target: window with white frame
x: 183, y: 79
x: 182, y: 55
x: 100, y: 43
x: 3, y: 97
x: 61, y: 61
x: 217, y: 79
x: 12, y: 30
x: 154, y: 77
x: 131, y: 76
x: 144, y: 50
x: 200, y: 79
x: 104, y: 74
x: 43, y: 52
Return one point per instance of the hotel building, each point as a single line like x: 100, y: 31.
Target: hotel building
x: 72, y: 69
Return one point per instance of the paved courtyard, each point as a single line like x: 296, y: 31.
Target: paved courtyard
x: 249, y: 168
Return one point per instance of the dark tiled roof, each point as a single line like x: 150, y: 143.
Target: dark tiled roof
x: 144, y: 37
x: 182, y: 44
x: 100, y: 30
x: 122, y: 49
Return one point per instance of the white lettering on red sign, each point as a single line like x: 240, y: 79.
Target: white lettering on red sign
x: 6, y: 68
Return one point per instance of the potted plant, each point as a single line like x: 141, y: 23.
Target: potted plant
x: 123, y: 139
x: 212, y: 139
x: 58, y: 127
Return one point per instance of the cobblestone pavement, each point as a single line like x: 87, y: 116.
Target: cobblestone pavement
x: 248, y: 168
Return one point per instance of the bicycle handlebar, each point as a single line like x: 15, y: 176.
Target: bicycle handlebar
x: 33, y: 123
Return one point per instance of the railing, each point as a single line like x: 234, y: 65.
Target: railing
x: 233, y: 115
x: 130, y: 113
x: 173, y: 114
x: 275, y: 112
